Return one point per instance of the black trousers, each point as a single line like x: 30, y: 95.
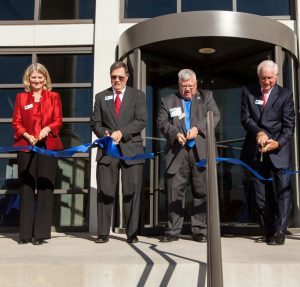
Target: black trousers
x: 274, y: 199
x: 36, y: 172
x: 107, y: 181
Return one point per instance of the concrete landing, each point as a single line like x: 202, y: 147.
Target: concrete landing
x: 74, y: 260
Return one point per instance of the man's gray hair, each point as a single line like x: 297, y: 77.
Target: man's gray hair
x: 267, y: 64
x: 186, y: 74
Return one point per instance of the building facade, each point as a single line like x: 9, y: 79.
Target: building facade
x: 78, y: 40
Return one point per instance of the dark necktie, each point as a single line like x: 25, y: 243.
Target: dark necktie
x: 117, y: 103
x: 188, y: 104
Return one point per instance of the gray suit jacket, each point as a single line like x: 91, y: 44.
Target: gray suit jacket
x: 277, y: 120
x: 170, y: 125
x: 131, y: 121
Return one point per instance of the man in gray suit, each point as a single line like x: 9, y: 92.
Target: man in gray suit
x: 182, y: 120
x: 119, y: 112
x: 268, y: 116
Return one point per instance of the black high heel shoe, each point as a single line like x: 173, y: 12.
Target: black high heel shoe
x: 38, y: 241
x: 24, y: 241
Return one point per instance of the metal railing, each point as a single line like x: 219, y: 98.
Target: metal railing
x: 214, y: 252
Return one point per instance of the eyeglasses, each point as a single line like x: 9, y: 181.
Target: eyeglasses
x: 114, y: 77
x: 187, y: 87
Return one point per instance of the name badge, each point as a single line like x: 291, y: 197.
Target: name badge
x: 180, y: 117
x: 107, y: 98
x: 175, y: 112
x: 28, y: 107
x: 259, y: 102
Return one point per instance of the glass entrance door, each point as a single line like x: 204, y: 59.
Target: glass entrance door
x: 226, y: 81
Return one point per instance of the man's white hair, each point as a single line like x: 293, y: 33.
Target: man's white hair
x: 186, y: 74
x: 269, y: 65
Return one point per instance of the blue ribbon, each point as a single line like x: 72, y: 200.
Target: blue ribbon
x: 202, y: 163
x: 105, y: 143
x: 110, y: 148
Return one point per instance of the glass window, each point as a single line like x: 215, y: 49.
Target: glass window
x: 8, y: 173
x: 149, y: 8
x: 265, y: 8
x: 70, y: 210
x: 6, y: 135
x: 76, y: 102
x: 192, y: 5
x: 7, y: 97
x: 66, y: 9
x: 73, y: 134
x: 68, y: 68
x: 13, y: 67
x: 73, y: 173
x: 16, y: 10
x: 9, y: 209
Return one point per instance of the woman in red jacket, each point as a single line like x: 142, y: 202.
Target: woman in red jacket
x: 37, y: 120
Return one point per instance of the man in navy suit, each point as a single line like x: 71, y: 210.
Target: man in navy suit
x: 267, y: 114
x: 119, y: 112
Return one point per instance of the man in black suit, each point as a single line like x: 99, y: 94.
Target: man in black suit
x: 119, y: 112
x: 267, y: 114
x: 182, y: 120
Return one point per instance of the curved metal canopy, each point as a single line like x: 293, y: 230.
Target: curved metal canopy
x: 207, y: 25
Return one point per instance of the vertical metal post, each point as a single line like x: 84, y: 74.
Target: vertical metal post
x: 214, y: 252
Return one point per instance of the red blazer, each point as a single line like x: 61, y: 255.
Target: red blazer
x: 51, y: 116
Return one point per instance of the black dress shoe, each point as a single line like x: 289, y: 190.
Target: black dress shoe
x: 102, y: 239
x: 260, y: 239
x: 24, y: 241
x: 279, y: 238
x: 132, y: 239
x: 38, y: 241
x: 269, y: 239
x: 169, y: 238
x: 199, y: 237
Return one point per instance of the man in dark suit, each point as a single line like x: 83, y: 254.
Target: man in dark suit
x: 182, y: 120
x: 119, y: 112
x: 267, y: 114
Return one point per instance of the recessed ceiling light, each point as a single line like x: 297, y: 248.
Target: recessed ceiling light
x: 207, y: 50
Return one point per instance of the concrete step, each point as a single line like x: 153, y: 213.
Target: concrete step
x: 74, y: 260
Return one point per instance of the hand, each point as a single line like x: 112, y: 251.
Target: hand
x: 30, y: 138
x: 116, y: 136
x: 270, y: 145
x: 192, y: 133
x: 261, y: 139
x: 106, y: 134
x: 181, y: 139
x: 44, y: 133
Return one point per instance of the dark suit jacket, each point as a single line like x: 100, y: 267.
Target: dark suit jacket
x: 170, y: 126
x: 277, y: 120
x: 51, y: 116
x: 131, y: 121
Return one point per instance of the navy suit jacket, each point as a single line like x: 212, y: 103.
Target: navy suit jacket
x: 277, y: 120
x: 131, y: 122
x: 170, y: 125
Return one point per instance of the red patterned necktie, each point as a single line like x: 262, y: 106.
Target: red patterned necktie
x: 117, y: 103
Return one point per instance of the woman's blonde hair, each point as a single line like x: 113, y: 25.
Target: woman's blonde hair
x: 36, y: 67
